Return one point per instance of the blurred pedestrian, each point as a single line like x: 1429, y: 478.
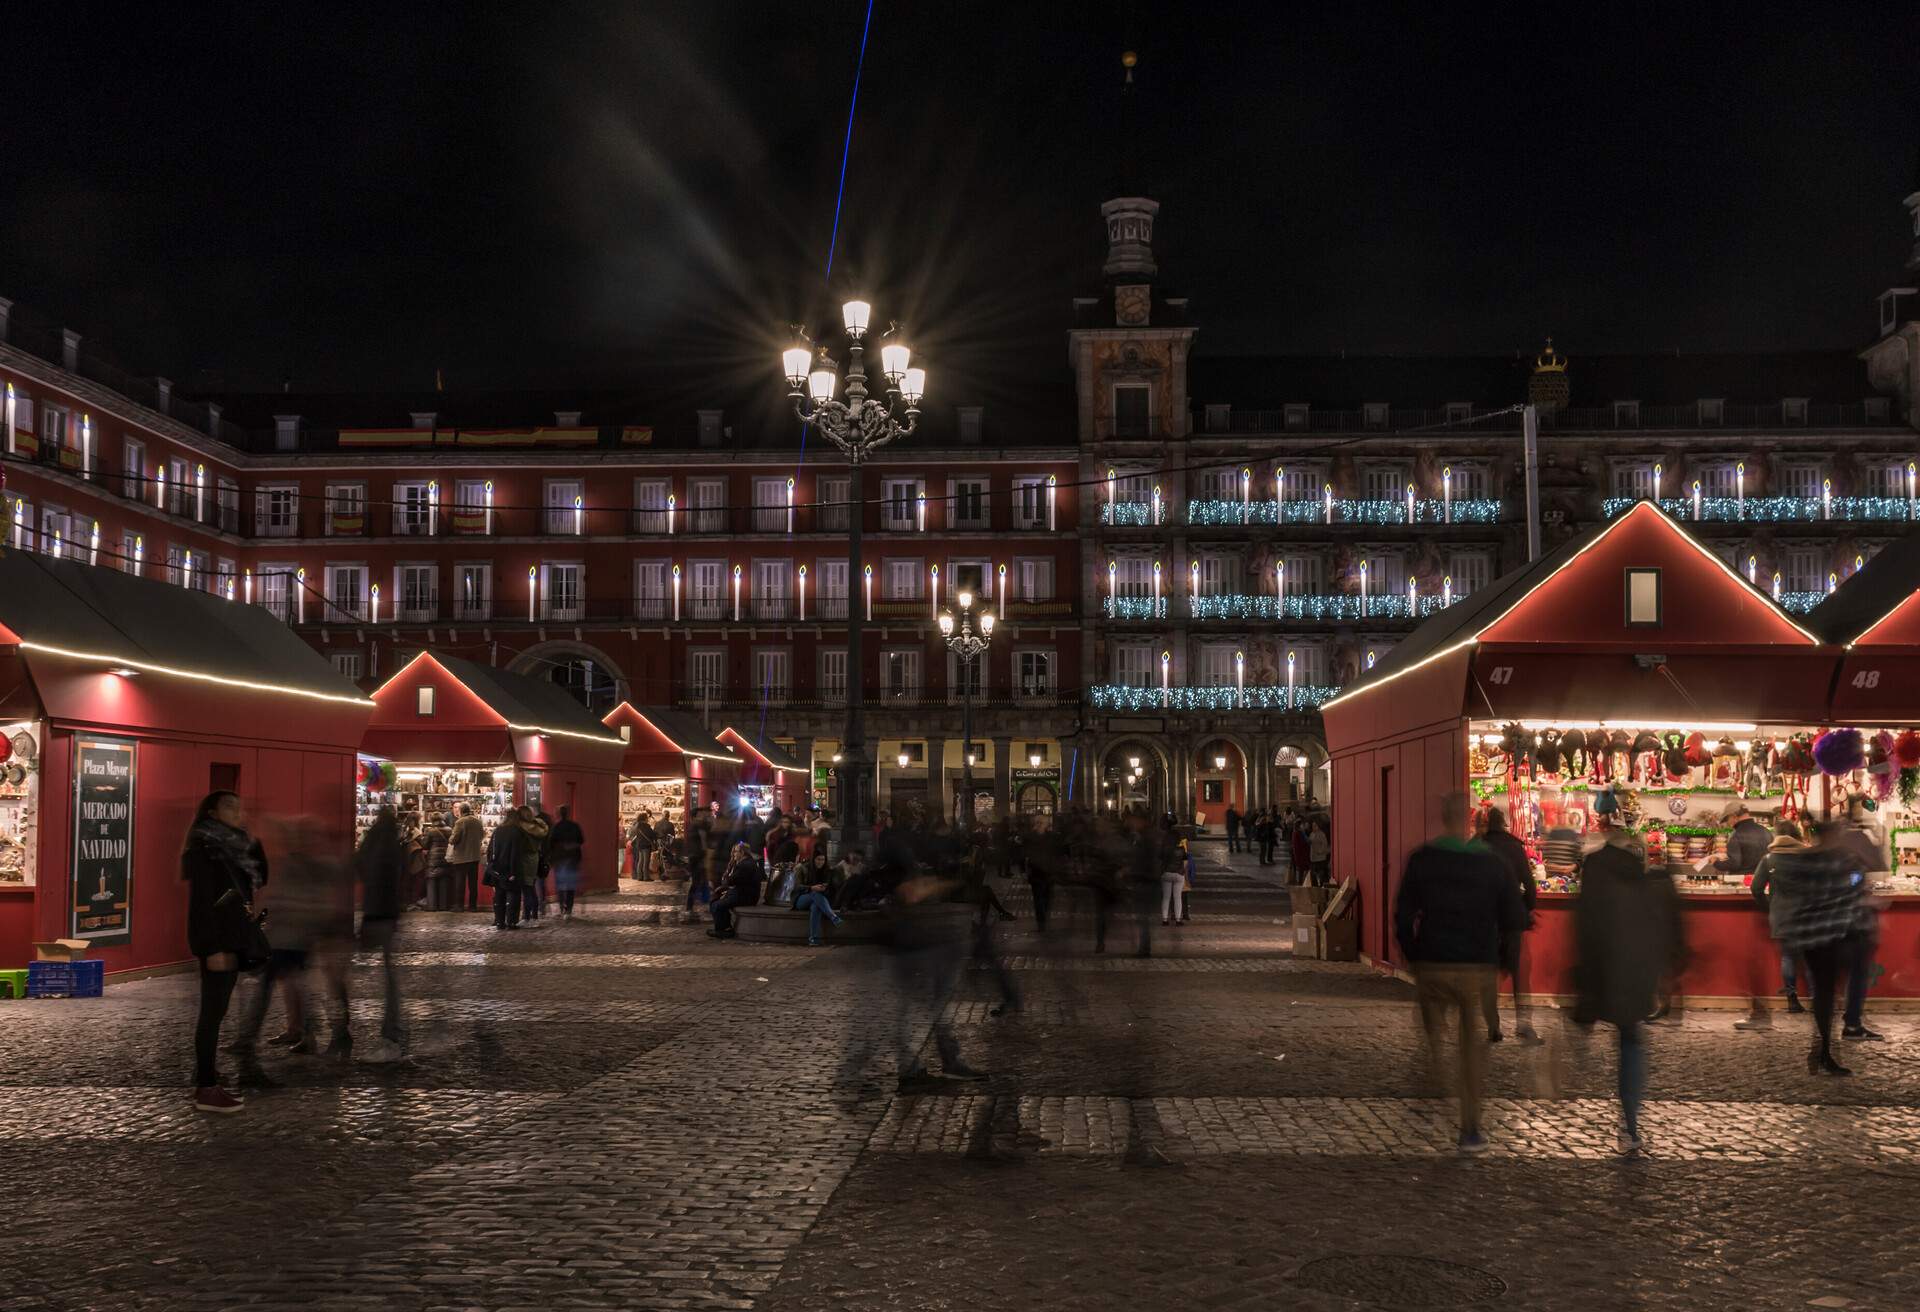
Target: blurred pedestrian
x: 540, y: 829
x: 1817, y: 899
x: 1233, y: 829
x: 1513, y: 950
x: 378, y: 863
x: 219, y: 869
x: 438, y: 837
x: 1866, y: 840
x: 465, y: 846
x: 1173, y: 882
x: 567, y: 842
x: 503, y: 870
x: 300, y: 904
x: 1319, y: 853
x: 1627, y: 940
x: 1455, y: 904
x: 925, y: 953
x: 1266, y: 833
x: 1299, y: 859
x: 1778, y: 961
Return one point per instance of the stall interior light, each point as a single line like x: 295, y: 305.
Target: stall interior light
x: 124, y: 672
x: 1647, y: 722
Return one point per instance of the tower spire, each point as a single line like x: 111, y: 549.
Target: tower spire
x: 1129, y: 214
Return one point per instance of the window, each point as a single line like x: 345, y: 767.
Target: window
x: 1373, y: 414
x: 903, y: 580
x: 966, y: 676
x: 346, y: 508
x: 56, y: 533
x: 226, y: 501
x: 348, y: 663
x: 346, y: 592
x: 180, y: 565
x: 1800, y: 478
x: 833, y: 674
x: 1385, y: 573
x: 1305, y: 575
x: 560, y: 585
x: 1133, y: 489
x: 1309, y: 665
x: 1216, y: 665
x: 1133, y: 665
x: 1132, y: 411
x: 180, y: 498
x: 412, y: 509
x: 1035, y: 578
x: 708, y: 497
x: 772, y: 674
x: 1469, y: 570
x: 1801, y: 570
x: 900, y: 674
x: 1711, y: 409
x: 1459, y: 412
x: 423, y: 699
x: 650, y: 505
x: 1879, y: 478
x: 1634, y: 479
x: 472, y: 591
x: 830, y: 579
x: 770, y: 505
x: 900, y: 504
x: 1304, y: 484
x: 706, y: 673
x: 1033, y: 671
x: 650, y: 598
x: 1384, y: 483
x: 1221, y: 575
x: 1643, y: 598
x: 1030, y: 502
x: 1471, y: 483
x: 772, y: 585
x: 1626, y: 414
x: 831, y: 511
x: 133, y: 471
x: 130, y: 552
x: 968, y: 507
x: 975, y: 576
x: 1133, y: 577
x: 53, y: 433
x: 276, y: 510
x: 1717, y: 479
x: 566, y: 503
x: 1219, y: 483
x: 470, y: 506
x: 1793, y: 410
x: 273, y: 586
x: 417, y: 591
x: 707, y: 589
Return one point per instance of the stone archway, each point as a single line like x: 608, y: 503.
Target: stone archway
x: 587, y: 673
x: 1297, y: 785
x: 1151, y: 784
x: 1218, y: 787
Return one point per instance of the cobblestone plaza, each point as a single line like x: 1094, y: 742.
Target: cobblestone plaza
x: 621, y: 1113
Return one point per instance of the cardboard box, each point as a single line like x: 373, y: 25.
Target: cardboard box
x: 1306, y: 936
x: 1309, y: 897
x: 61, y: 949
x: 1339, y: 939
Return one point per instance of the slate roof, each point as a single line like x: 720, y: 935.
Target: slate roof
x: 682, y: 729
x: 107, y: 612
x: 1870, y: 594
x: 522, y: 700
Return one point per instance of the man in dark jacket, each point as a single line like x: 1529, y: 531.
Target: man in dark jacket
x: 1513, y: 950
x: 503, y: 866
x: 1745, y: 845
x: 740, y: 888
x: 1233, y: 830
x: 1456, y: 904
x: 379, y: 863
x: 1628, y: 943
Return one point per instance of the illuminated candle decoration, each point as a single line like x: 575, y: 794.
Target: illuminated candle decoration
x: 1740, y: 490
x: 1113, y: 580
x: 789, y: 505
x: 1446, y: 494
x: 1110, y: 494
x: 1290, y: 666
x: 676, y: 592
x: 1240, y: 677
x: 803, y: 593
x: 1413, y: 599
x: 19, y: 523
x: 229, y: 587
x: 1409, y: 503
x: 1826, y: 498
x: 299, y: 581
x: 1279, y: 493
x: 1156, y: 503
x: 1003, y: 587
x: 1326, y: 494
x: 672, y: 501
x: 1446, y: 592
x: 1696, y: 498
x: 57, y: 548
x: 160, y: 486
x: 489, y: 507
x: 1369, y: 658
x: 200, y: 493
x: 1246, y: 495
x: 533, y: 590
x: 247, y: 587
x: 433, y: 509
x: 10, y: 405
x: 1166, y: 678
x: 579, y: 517
x: 1280, y: 587
x: 1833, y: 581
x: 86, y: 444
x: 736, y: 594
x: 933, y: 590
x: 1656, y: 484
x: 1753, y: 569
x: 868, y: 581
x: 920, y: 511
x: 1363, y: 589
x: 1911, y: 467
x: 186, y: 570
x: 1859, y: 562
x: 374, y: 594
x: 1053, y: 497
x: 1776, y: 585
x: 93, y: 545
x: 1156, y: 587
x: 1193, y: 572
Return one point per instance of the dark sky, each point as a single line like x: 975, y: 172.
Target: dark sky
x: 642, y: 194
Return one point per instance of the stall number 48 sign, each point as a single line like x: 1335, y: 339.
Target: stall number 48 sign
x: 1867, y: 679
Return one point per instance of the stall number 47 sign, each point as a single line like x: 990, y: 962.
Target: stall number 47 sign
x: 1867, y: 679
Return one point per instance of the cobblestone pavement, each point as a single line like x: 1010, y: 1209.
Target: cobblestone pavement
x: 620, y: 1112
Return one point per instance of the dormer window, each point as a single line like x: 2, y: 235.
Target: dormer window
x: 1793, y: 410
x: 1296, y: 415
x: 1643, y: 598
x: 1458, y: 412
x: 1373, y: 414
x: 423, y: 699
x: 1711, y: 410
x: 1875, y: 410
x: 1626, y: 414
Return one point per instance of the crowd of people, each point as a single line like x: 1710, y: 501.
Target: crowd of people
x: 1271, y: 832
x: 1465, y: 904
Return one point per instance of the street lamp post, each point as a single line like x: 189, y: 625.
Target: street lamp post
x: 859, y: 424
x: 967, y: 647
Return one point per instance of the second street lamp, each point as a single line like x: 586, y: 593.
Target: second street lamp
x: 967, y: 646
x: 859, y: 424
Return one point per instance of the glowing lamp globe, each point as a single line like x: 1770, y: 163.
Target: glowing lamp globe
x: 821, y: 382
x: 913, y: 386
x: 893, y: 361
x: 855, y: 314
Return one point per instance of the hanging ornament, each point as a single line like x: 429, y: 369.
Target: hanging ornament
x: 1573, y: 748
x: 1797, y: 757
x: 1697, y: 752
x: 1547, y: 754
x: 1906, y: 749
x: 1839, y: 751
x: 6, y: 748
x: 1909, y: 786
x: 389, y: 774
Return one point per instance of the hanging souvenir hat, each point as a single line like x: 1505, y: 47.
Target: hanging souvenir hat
x: 1547, y: 754
x: 1725, y: 747
x: 1696, y: 749
x: 1906, y: 749
x: 375, y: 779
x: 1798, y: 756
x: 1839, y: 751
x: 360, y: 772
x: 1644, y: 741
x: 389, y: 773
x: 1515, y: 741
x: 6, y: 748
x: 1574, y: 743
x: 1880, y: 754
x: 1673, y: 752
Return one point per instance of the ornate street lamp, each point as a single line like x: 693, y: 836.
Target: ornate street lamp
x: 967, y: 647
x: 859, y: 424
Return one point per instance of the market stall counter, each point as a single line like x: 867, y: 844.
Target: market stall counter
x: 448, y: 732
x: 672, y: 768
x: 123, y: 702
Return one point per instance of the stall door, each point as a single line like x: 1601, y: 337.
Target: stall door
x: 1383, y: 914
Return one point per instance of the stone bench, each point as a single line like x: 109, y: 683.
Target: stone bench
x: 771, y: 924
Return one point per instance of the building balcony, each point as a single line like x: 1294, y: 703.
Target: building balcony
x: 1399, y: 421
x: 1122, y: 697
x: 1127, y: 514
x: 1429, y: 510
x: 1134, y: 608
x: 1314, y: 606
x: 1775, y: 510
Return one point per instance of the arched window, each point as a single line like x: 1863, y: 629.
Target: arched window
x: 588, y: 683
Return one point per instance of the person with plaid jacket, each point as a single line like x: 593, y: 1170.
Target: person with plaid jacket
x: 1818, y: 908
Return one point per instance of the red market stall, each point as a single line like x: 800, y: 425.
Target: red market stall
x: 455, y: 732
x: 670, y: 767
x: 1630, y: 671
x: 123, y: 702
x: 768, y: 776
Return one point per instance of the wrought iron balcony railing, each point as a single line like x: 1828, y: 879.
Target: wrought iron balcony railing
x: 1265, y: 697
x: 1772, y: 510
x: 1393, y: 510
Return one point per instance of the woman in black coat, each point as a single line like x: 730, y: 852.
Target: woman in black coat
x: 1628, y: 940
x: 221, y: 869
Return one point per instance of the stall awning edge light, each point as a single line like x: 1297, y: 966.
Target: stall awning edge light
x: 197, y: 675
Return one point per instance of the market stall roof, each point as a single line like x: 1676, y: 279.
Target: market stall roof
x: 766, y: 751
x: 1879, y: 604
x: 677, y: 730
x: 516, y: 701
x: 95, y: 615
x: 1561, y: 637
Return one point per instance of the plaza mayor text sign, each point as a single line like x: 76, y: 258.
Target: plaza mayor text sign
x: 103, y: 840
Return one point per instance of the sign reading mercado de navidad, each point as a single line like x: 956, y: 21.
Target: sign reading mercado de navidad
x: 1633, y: 677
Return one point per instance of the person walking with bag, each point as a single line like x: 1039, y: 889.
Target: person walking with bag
x: 1627, y: 939
x: 218, y: 865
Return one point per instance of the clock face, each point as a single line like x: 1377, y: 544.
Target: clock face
x: 1131, y: 304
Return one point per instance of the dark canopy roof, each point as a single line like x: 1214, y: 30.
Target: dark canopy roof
x: 683, y: 730
x: 95, y: 611
x: 1871, y: 594
x: 776, y: 755
x: 522, y: 700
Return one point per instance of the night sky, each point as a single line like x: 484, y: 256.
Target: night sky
x: 643, y: 194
